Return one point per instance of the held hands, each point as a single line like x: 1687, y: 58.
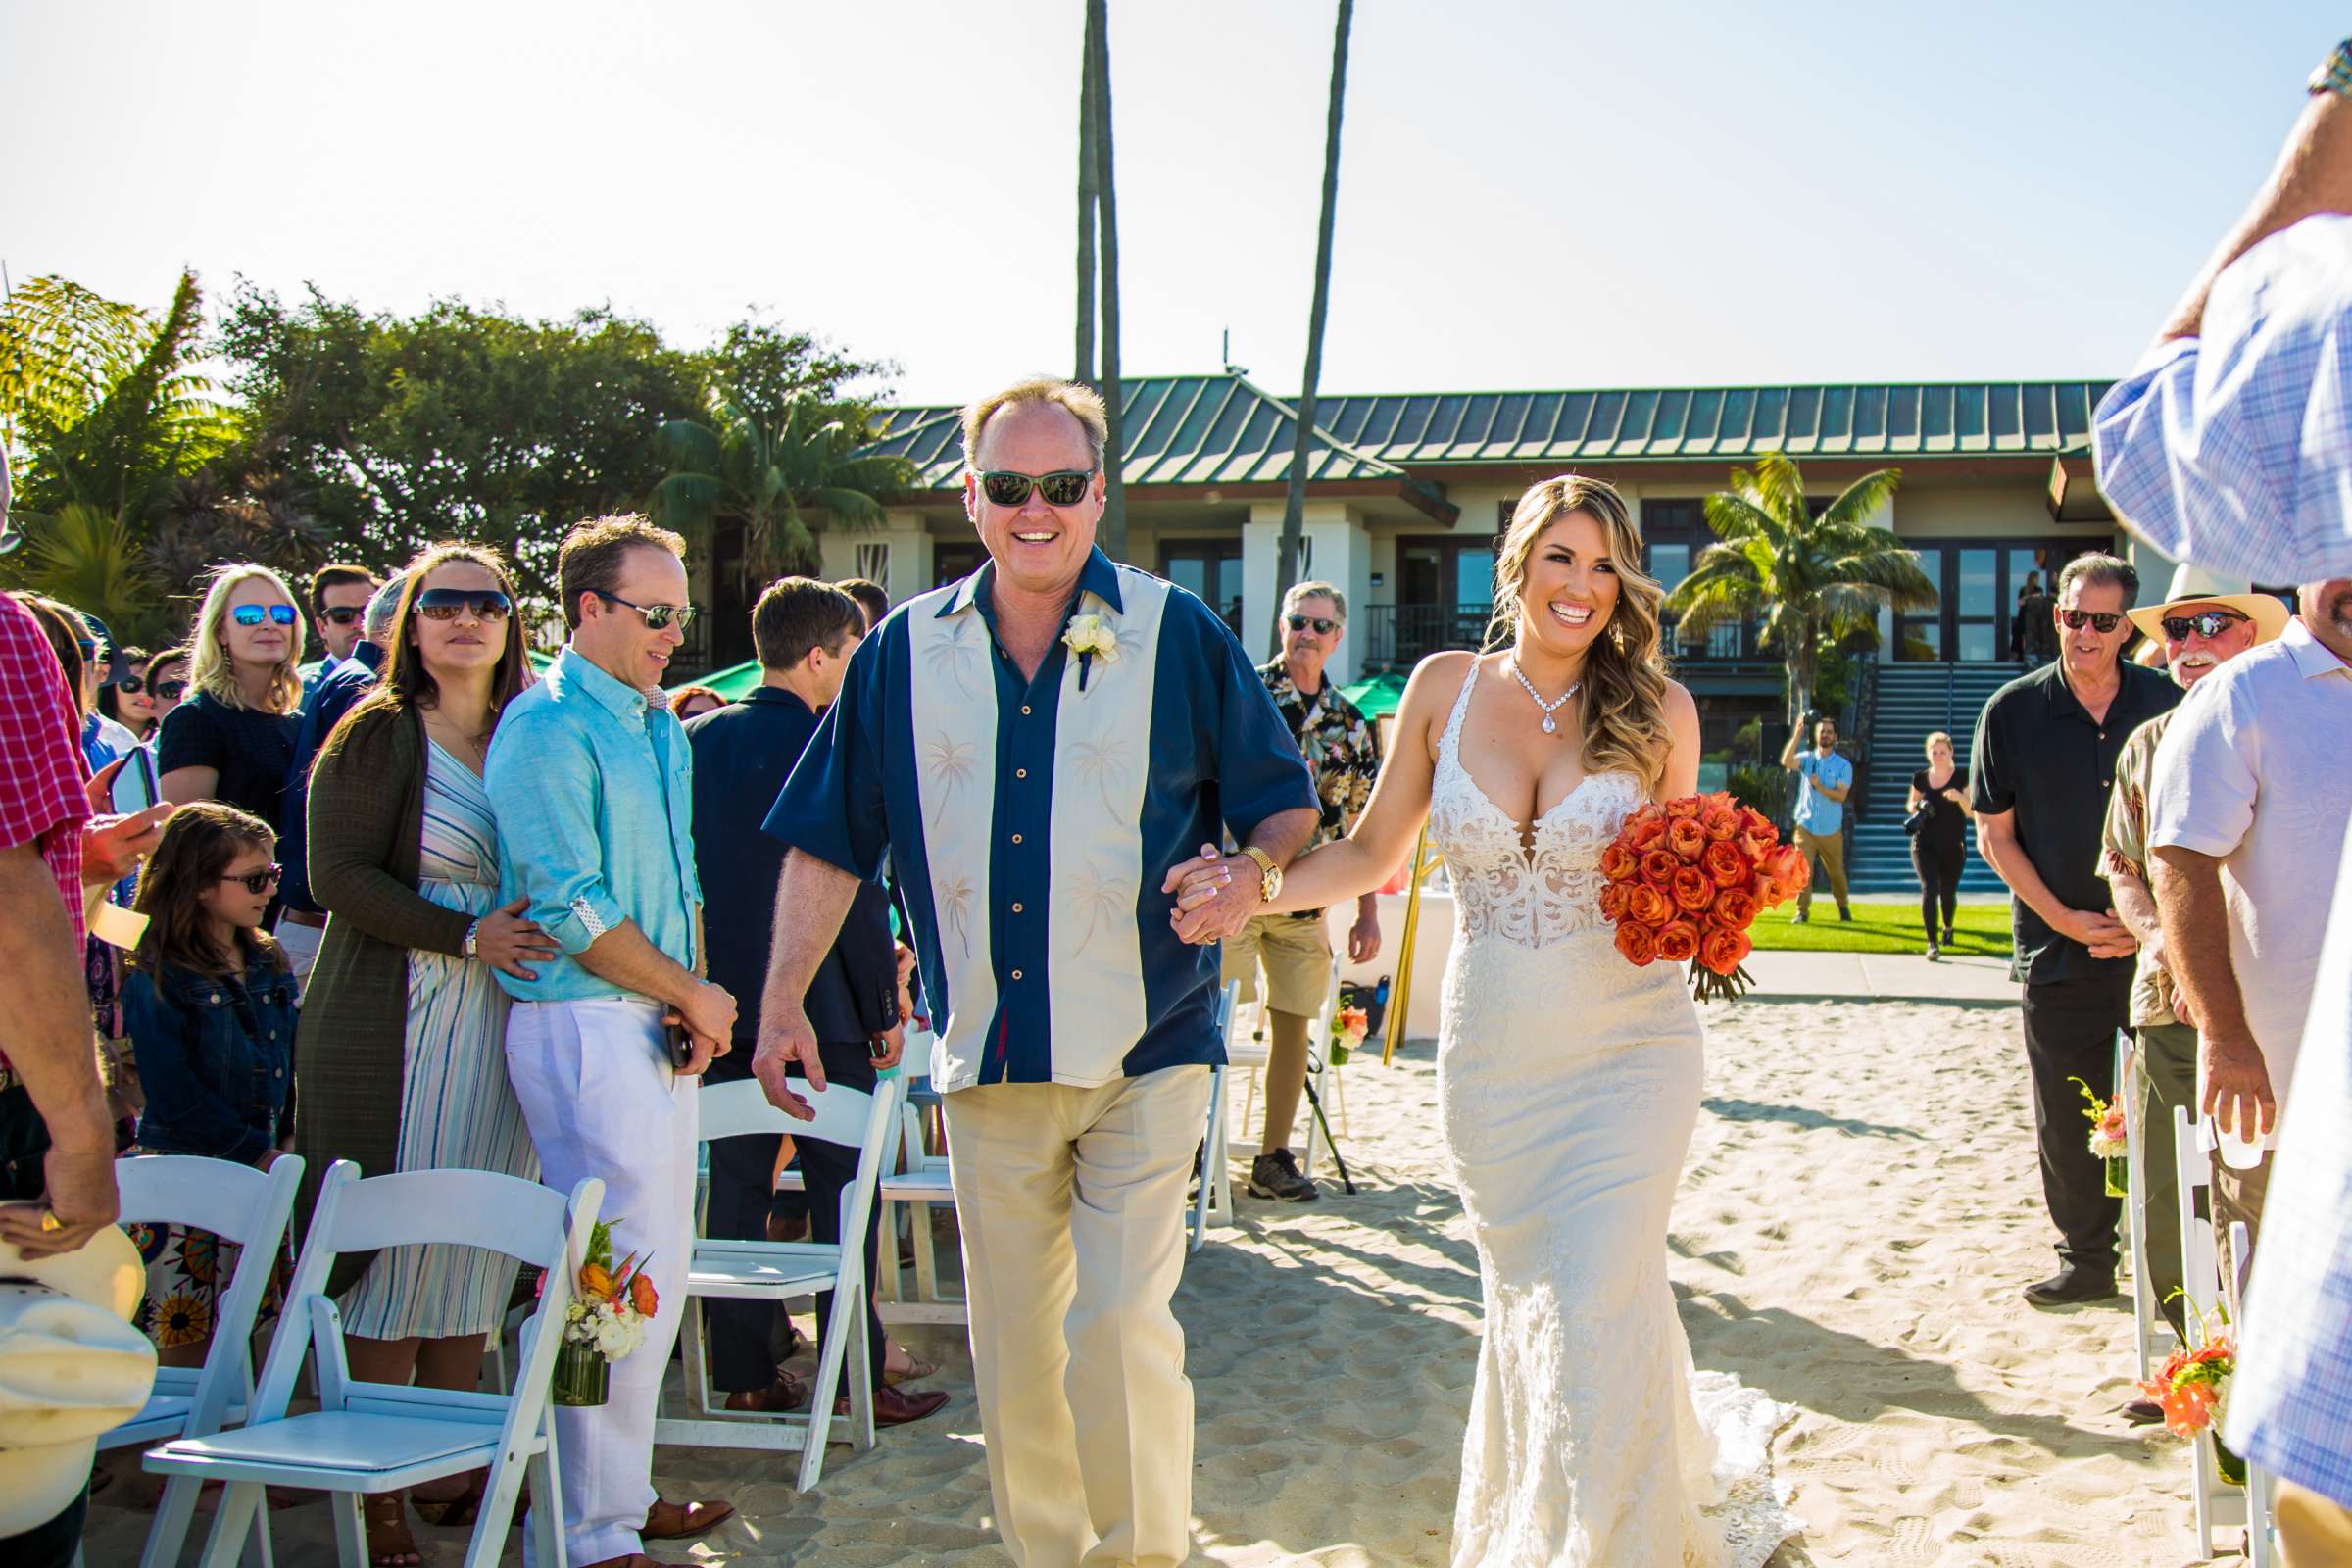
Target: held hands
x: 506, y: 941
x: 2103, y: 933
x: 1215, y: 895
x: 786, y: 1037
x: 2237, y: 1085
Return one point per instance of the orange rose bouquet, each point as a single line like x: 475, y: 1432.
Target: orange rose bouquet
x: 603, y: 1321
x: 1685, y: 879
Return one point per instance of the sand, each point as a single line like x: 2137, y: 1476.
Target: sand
x: 1858, y: 1214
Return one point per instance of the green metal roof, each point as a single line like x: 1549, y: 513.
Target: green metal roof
x: 1189, y: 429
x: 1637, y: 424
x: 1223, y: 429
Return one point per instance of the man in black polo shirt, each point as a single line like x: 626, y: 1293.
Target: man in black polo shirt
x: 2042, y: 768
x: 804, y: 632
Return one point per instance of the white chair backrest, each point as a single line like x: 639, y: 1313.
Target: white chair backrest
x: 476, y: 1207
x: 1229, y: 1003
x: 238, y: 1203
x: 733, y: 1110
x: 847, y: 1117
x: 505, y: 1214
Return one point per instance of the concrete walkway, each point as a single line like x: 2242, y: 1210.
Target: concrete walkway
x: 1879, y: 976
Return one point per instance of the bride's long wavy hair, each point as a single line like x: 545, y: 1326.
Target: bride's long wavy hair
x: 1621, y: 707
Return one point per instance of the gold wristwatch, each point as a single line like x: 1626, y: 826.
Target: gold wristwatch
x: 1269, y: 875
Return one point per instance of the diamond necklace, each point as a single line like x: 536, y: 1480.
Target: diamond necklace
x: 1551, y: 727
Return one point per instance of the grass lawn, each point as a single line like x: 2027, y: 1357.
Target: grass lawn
x: 1880, y: 925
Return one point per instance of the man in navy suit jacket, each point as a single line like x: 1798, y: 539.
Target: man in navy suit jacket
x: 805, y: 632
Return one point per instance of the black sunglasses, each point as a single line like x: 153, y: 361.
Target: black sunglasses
x: 258, y: 882
x: 1323, y: 628
x: 1063, y: 487
x: 171, y: 691
x: 255, y: 614
x: 485, y: 604
x: 2206, y: 624
x: 656, y: 616
x: 2101, y: 621
x: 341, y: 615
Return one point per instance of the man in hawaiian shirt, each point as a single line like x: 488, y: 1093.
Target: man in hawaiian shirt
x: 1342, y: 752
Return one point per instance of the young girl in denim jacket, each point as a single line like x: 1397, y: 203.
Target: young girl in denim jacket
x: 209, y: 1007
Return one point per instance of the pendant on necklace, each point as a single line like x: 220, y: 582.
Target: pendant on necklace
x: 1549, y: 729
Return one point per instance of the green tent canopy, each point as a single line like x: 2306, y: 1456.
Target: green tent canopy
x: 734, y: 683
x: 1376, y: 695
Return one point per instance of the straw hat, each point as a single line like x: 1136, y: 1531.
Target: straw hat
x: 2194, y: 585
x: 71, y: 1368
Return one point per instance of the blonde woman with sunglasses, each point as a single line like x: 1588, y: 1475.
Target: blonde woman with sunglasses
x: 232, y: 739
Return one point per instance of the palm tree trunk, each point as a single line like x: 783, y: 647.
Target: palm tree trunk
x: 1293, y: 508
x: 1114, y: 535
x: 1087, y: 194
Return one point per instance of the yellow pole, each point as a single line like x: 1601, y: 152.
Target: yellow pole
x: 1400, y: 995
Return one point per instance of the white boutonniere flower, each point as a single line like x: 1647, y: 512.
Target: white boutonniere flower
x: 1088, y: 636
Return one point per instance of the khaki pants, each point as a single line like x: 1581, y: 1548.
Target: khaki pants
x: 1071, y: 1204
x: 2237, y: 1196
x: 1829, y: 850
x: 2313, y: 1532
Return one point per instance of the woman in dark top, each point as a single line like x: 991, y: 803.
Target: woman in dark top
x: 233, y: 739
x: 1940, y: 848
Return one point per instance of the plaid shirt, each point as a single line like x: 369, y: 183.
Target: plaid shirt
x: 2234, y: 449
x: 44, y: 779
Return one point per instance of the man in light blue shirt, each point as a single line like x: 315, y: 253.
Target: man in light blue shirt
x: 1824, y: 780
x: 592, y: 780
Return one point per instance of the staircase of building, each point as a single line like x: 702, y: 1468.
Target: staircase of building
x: 1914, y: 701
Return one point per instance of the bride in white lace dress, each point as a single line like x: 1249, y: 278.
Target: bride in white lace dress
x: 1568, y: 1079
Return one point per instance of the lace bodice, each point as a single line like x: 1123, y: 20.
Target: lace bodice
x: 1501, y: 888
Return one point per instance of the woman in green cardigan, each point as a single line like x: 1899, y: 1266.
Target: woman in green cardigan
x: 403, y: 1060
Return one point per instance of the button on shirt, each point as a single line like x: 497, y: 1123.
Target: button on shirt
x: 1816, y: 813
x: 594, y: 789
x: 2256, y: 771
x: 2039, y: 754
x: 1030, y: 823
x: 2234, y: 449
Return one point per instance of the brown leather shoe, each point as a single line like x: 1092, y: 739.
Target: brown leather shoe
x: 674, y: 1521
x: 787, y: 1393
x: 895, y: 1408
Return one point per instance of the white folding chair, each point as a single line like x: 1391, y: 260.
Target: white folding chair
x: 916, y: 1179
x: 1214, y: 1202
x: 2217, y: 1503
x: 2260, y: 1550
x: 2151, y: 1334
x: 237, y: 1203
x: 783, y: 1271
x: 371, y: 1438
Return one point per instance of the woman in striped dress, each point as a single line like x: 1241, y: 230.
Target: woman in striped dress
x: 403, y: 1008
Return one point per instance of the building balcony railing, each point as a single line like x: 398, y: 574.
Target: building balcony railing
x: 1398, y: 636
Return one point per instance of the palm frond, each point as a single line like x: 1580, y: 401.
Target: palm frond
x: 88, y: 559
x: 1863, y: 499
x: 1780, y: 489
x: 1734, y: 515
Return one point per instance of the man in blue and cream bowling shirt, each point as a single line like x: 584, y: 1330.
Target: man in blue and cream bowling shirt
x: 1032, y: 748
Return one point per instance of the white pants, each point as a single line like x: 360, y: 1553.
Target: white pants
x: 1071, y: 1204
x: 596, y: 1088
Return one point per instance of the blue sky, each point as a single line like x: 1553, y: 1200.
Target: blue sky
x: 1565, y: 194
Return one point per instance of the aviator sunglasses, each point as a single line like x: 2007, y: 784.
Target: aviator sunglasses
x: 1063, y: 487
x: 658, y: 617
x: 258, y: 882
x: 2101, y: 621
x: 1323, y: 628
x: 255, y: 614
x: 2206, y: 624
x: 484, y: 603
